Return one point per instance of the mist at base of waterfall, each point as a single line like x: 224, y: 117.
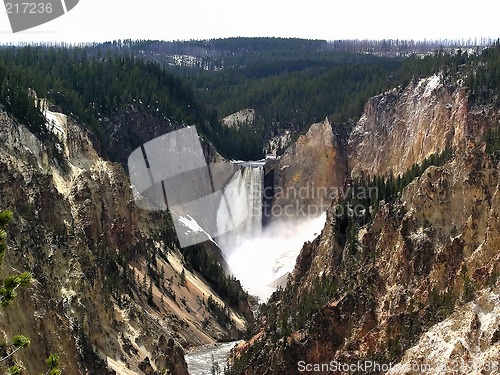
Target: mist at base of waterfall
x: 259, y: 259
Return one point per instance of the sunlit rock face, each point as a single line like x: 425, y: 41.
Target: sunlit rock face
x: 467, y: 341
x: 403, y: 126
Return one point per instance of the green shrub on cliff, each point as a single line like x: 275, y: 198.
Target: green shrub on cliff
x: 7, y: 294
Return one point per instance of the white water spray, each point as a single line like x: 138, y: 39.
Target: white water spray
x: 259, y: 262
x: 258, y: 256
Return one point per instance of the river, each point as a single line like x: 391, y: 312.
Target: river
x: 200, y: 362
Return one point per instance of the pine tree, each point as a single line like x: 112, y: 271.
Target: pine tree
x: 150, y: 295
x: 53, y: 363
x: 215, y: 368
x: 162, y: 276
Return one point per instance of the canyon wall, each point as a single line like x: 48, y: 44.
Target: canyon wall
x: 417, y: 285
x: 402, y: 127
x: 111, y: 292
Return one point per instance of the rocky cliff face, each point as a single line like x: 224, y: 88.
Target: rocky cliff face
x: 417, y: 285
x: 309, y: 174
x: 466, y: 341
x: 111, y: 292
x: 244, y: 117
x: 402, y: 127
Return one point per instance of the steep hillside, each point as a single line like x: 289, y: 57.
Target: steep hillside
x: 111, y: 290
x: 412, y: 279
x: 402, y: 127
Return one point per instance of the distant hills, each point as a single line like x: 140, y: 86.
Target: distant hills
x: 289, y: 83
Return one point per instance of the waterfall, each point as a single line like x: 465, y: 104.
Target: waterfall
x: 253, y: 179
x: 240, y: 210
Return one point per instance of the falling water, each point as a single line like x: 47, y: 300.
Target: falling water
x: 252, y: 177
x: 243, y: 196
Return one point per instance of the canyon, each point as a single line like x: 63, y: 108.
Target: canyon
x: 404, y: 275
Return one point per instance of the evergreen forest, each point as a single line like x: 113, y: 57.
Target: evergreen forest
x: 290, y: 83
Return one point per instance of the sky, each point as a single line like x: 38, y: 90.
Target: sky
x: 105, y: 20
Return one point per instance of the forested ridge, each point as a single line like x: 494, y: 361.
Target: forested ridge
x: 92, y: 83
x: 91, y: 87
x: 291, y: 83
